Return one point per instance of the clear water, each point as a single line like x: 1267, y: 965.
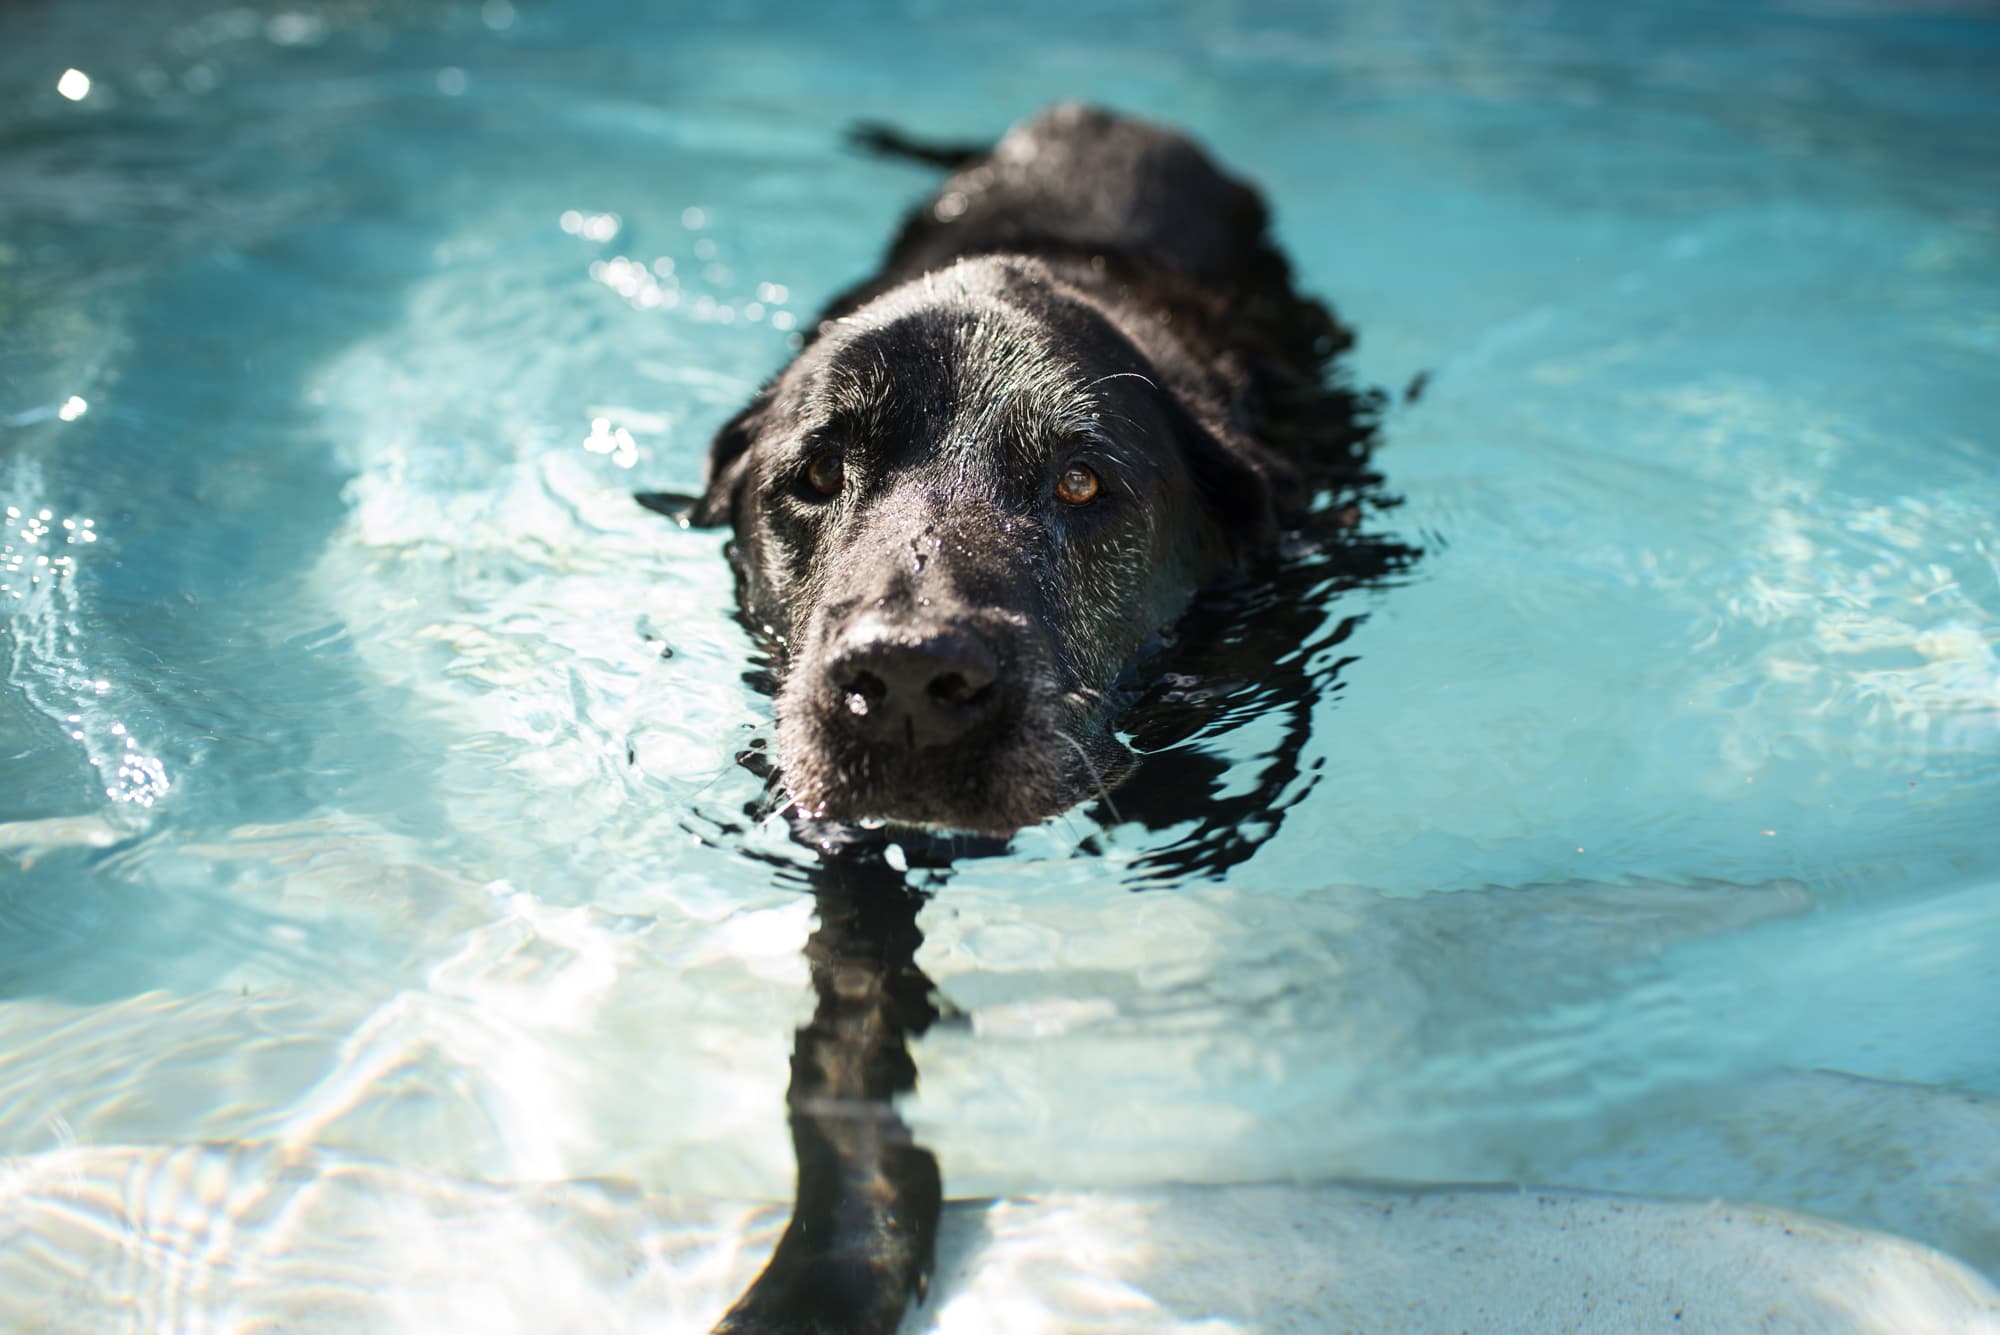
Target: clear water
x: 350, y: 807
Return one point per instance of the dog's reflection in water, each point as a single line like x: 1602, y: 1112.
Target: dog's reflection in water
x: 864, y: 1218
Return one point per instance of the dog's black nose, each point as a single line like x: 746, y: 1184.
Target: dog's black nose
x: 922, y: 690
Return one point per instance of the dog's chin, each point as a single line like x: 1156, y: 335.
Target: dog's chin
x: 904, y: 811
x: 996, y: 788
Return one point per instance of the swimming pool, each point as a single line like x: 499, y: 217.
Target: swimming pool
x: 371, y: 816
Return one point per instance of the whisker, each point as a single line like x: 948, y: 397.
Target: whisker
x: 1070, y: 821
x: 1120, y: 375
x: 1095, y: 776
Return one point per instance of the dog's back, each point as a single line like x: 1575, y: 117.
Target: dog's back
x: 1079, y: 178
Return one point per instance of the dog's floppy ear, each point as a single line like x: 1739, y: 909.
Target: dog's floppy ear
x: 675, y: 505
x: 1246, y: 489
x: 729, y: 462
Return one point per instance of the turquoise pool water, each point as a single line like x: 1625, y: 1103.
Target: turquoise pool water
x: 351, y: 812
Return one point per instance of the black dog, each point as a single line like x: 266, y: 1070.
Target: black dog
x: 1080, y: 388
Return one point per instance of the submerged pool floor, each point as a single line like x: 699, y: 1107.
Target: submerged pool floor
x: 370, y: 792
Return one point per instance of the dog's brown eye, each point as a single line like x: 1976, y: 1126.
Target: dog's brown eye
x: 1077, y: 486
x: 825, y: 472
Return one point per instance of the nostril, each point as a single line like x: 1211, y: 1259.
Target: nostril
x: 864, y: 691
x: 953, y: 688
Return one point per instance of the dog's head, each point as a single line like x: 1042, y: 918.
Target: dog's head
x: 959, y: 514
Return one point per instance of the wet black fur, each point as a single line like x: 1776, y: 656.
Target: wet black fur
x: 1092, y: 289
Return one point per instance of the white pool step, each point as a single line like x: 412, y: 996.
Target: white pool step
x: 1285, y: 1259
x: 235, y: 1238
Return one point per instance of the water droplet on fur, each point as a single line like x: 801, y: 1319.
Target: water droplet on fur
x: 857, y: 704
